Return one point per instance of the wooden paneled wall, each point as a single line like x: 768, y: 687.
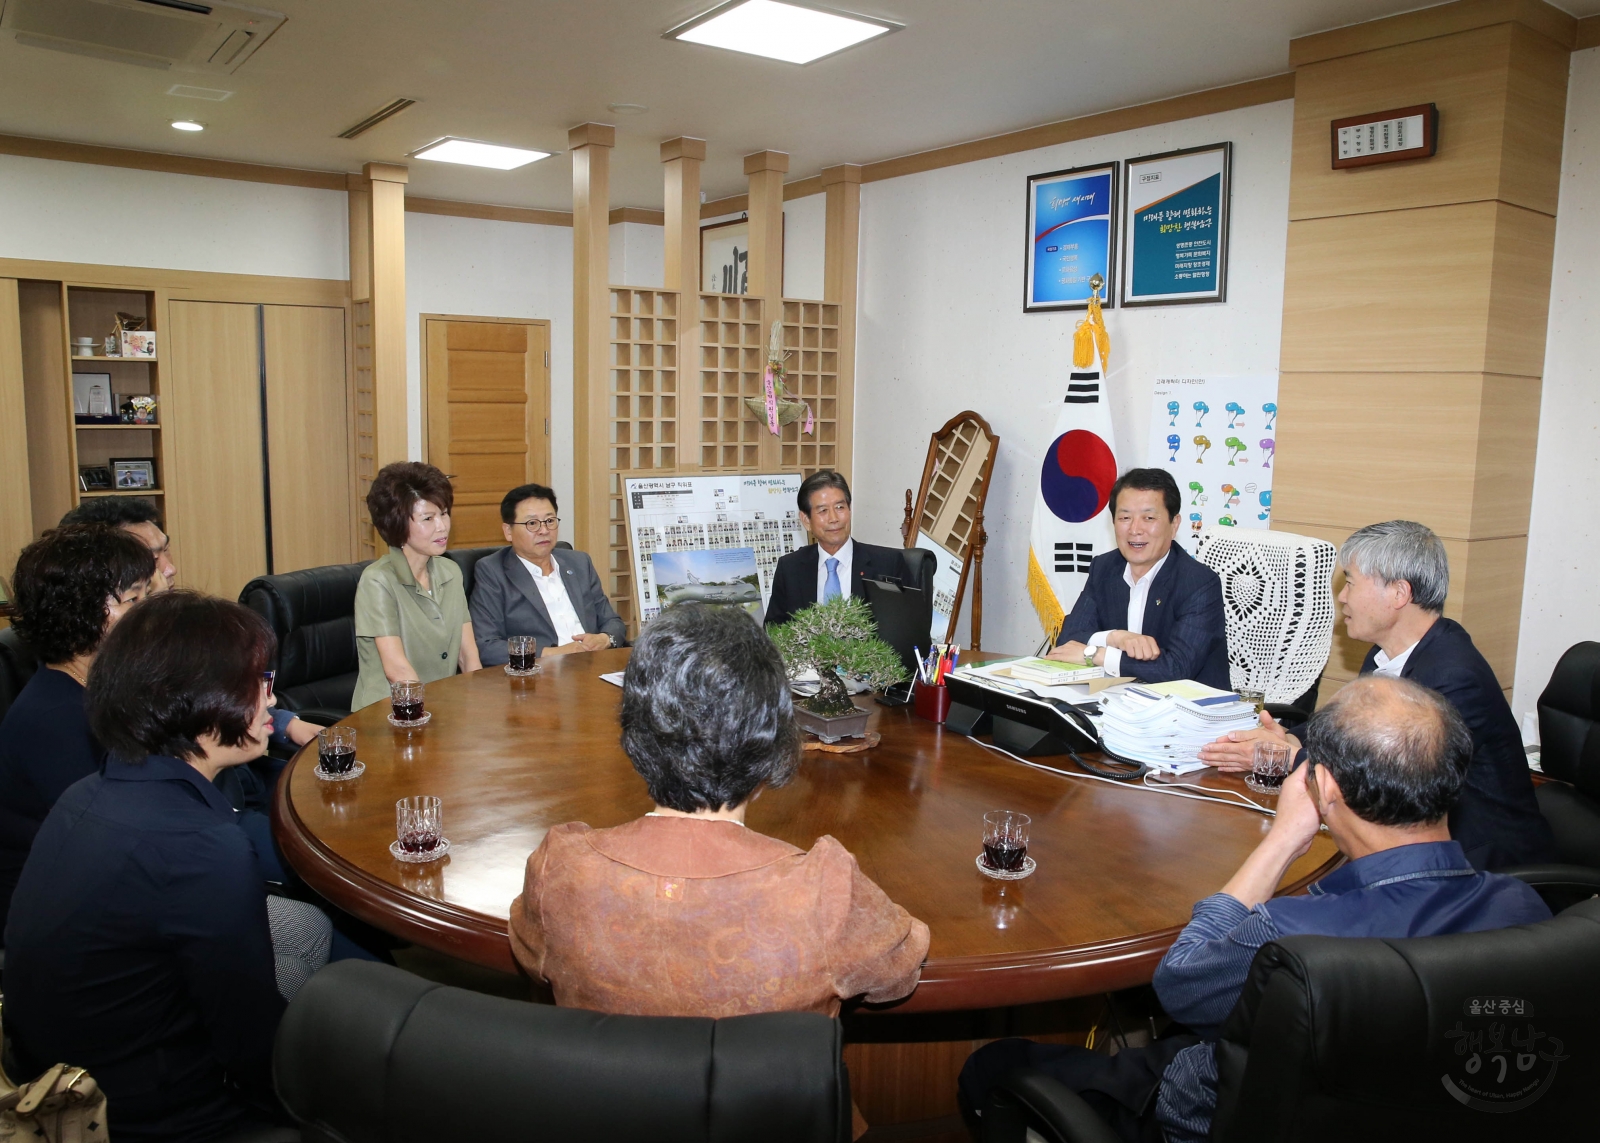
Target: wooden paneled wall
x: 1415, y: 299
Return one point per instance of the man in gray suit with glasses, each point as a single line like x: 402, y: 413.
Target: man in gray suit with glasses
x: 535, y: 588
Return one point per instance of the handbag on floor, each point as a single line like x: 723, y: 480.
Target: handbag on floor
x: 64, y: 1105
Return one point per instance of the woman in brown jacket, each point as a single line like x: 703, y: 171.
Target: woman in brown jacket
x: 685, y: 912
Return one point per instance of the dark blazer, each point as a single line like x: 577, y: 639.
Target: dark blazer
x: 1497, y: 819
x: 138, y: 948
x: 45, y: 746
x: 794, y: 581
x: 505, y: 601
x: 1182, y: 613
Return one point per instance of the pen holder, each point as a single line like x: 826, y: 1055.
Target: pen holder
x: 931, y: 703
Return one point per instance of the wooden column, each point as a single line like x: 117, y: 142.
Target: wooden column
x: 766, y: 170
x: 1416, y: 296
x: 387, y: 270
x: 681, y: 159
x: 842, y: 186
x: 16, y: 507
x: 591, y: 145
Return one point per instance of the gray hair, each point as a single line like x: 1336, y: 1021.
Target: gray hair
x: 1398, y: 550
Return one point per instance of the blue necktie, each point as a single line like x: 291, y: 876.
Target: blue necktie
x: 830, y: 589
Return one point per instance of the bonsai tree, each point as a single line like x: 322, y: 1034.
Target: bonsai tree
x: 833, y: 637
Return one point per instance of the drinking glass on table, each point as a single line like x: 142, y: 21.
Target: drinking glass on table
x: 522, y: 653
x: 336, y: 749
x: 1269, y: 767
x: 418, y: 824
x: 1005, y: 839
x: 1255, y: 698
x: 407, y: 699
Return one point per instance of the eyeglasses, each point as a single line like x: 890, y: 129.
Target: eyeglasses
x: 548, y: 524
x: 267, y: 677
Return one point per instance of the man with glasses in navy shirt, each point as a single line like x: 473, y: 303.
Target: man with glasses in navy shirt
x: 1385, y: 762
x: 535, y: 588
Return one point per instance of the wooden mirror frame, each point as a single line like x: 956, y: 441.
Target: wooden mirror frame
x: 948, y: 453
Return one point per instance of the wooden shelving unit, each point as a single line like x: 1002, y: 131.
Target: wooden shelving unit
x: 91, y: 312
x: 733, y: 359
x: 811, y: 336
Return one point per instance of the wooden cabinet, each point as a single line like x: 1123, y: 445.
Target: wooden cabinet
x: 251, y: 449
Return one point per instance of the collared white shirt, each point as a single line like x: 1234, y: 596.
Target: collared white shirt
x: 843, y: 555
x: 563, y: 616
x: 1383, y: 665
x: 1138, y: 594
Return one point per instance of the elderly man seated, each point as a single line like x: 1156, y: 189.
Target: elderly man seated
x: 685, y: 911
x: 1386, y: 760
x: 1396, y: 578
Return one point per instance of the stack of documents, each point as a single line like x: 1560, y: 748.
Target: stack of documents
x: 1164, y: 724
x: 1051, y: 672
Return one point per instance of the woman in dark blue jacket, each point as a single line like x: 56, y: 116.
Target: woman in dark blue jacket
x: 138, y: 944
x: 71, y: 586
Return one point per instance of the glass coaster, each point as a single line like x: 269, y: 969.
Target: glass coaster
x: 433, y: 854
x: 1028, y: 866
x: 411, y: 724
x: 528, y: 674
x: 355, y: 771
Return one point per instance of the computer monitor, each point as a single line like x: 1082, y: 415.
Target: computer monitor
x: 904, y: 616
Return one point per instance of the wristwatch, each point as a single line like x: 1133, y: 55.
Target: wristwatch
x: 1088, y: 656
x: 614, y: 641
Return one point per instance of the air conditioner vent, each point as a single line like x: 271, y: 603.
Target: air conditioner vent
x: 214, y: 37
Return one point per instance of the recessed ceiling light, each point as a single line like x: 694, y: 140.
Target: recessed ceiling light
x: 187, y: 125
x: 794, y: 33
x: 479, y: 154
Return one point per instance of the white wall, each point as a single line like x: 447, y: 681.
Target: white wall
x: 941, y: 329
x: 805, y: 224
x: 477, y: 268
x: 1560, y: 605
x: 80, y: 212
x: 638, y: 255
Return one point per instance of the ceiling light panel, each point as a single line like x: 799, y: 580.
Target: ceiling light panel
x: 187, y: 125
x: 479, y: 154
x: 794, y: 33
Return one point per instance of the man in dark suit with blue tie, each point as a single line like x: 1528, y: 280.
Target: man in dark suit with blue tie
x: 1150, y: 610
x: 835, y: 564
x: 1396, y: 578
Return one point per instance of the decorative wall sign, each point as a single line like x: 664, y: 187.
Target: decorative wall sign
x: 1071, y: 230
x: 725, y: 256
x: 1385, y: 136
x: 1175, y: 227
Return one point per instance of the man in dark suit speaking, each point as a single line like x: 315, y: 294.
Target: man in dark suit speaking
x: 1150, y: 610
x: 535, y: 588
x: 1396, y: 578
x: 835, y: 564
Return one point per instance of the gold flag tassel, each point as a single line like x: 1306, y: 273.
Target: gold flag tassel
x: 1091, y: 333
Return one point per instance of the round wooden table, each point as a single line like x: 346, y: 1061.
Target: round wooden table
x: 1119, y: 867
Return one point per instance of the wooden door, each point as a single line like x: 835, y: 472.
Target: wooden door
x: 211, y: 409
x: 308, y: 437
x: 488, y: 402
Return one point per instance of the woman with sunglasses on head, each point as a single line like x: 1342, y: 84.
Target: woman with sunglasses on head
x: 141, y: 945
x: 412, y: 621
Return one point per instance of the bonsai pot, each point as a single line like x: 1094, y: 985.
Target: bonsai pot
x: 832, y: 727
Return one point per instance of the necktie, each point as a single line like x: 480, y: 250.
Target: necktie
x: 830, y: 588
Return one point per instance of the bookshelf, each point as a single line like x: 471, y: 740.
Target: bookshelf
x: 91, y: 312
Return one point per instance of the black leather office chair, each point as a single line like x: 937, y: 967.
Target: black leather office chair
x: 370, y: 1054
x: 17, y: 665
x: 1343, y: 1038
x: 313, y: 614
x: 920, y: 566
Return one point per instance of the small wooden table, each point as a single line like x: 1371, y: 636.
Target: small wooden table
x: 1119, y: 867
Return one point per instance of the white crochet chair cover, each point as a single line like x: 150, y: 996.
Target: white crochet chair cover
x: 1277, y: 592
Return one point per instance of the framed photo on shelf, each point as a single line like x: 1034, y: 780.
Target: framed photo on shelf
x: 1071, y: 237
x: 133, y: 473
x: 94, y: 478
x: 1175, y: 227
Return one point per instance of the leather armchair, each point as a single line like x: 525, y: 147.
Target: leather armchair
x: 1341, y: 1038
x: 313, y: 614
x: 467, y: 560
x: 370, y: 1054
x: 17, y: 665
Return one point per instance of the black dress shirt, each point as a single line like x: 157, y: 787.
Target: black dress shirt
x: 45, y: 746
x: 138, y: 948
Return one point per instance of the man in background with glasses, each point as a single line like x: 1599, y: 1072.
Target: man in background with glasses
x: 536, y: 588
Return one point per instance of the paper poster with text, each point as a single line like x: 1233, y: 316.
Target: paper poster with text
x: 1217, y: 435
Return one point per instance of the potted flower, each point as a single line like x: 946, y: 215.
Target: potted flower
x: 833, y: 639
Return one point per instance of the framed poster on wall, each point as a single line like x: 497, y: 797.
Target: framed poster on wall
x: 1175, y: 227
x: 725, y: 256
x: 1071, y: 220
